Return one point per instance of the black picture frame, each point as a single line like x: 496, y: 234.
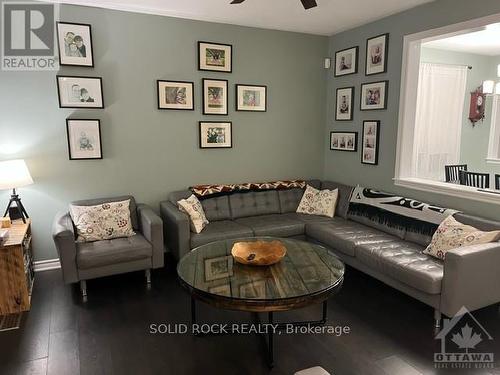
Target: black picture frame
x: 200, y: 144
x: 386, y: 54
x: 204, y: 99
x: 351, y: 114
x: 229, y: 70
x: 386, y: 96
x: 68, y: 124
x: 355, y: 134
x: 160, y: 81
x: 237, y: 98
x: 356, y: 61
x: 377, y: 143
x: 91, y: 43
x: 58, y: 77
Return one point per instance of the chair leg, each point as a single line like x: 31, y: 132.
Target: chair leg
x: 83, y: 288
x: 437, y: 318
x: 148, y: 276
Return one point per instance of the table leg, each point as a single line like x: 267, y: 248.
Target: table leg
x: 193, y: 311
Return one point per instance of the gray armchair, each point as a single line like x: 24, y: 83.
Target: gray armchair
x: 81, y: 261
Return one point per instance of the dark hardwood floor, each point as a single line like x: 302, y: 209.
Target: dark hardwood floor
x: 390, y: 332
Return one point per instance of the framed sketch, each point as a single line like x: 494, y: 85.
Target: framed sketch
x: 346, y: 62
x: 80, y: 92
x: 377, y: 49
x: 175, y: 95
x: 374, y: 95
x: 344, y: 104
x: 253, y: 290
x: 215, y: 96
x: 218, y: 268
x: 216, y: 134
x: 215, y: 57
x: 84, y: 139
x: 221, y: 290
x: 369, y: 149
x: 251, y: 98
x: 344, y: 141
x: 75, y: 44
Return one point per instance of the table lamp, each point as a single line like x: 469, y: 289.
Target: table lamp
x: 15, y: 174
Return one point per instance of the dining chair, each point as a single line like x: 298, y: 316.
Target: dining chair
x: 452, y: 172
x: 497, y: 181
x: 474, y: 179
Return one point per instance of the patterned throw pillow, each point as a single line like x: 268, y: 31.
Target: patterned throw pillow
x: 194, y: 209
x: 318, y: 202
x: 452, y: 234
x: 103, y: 221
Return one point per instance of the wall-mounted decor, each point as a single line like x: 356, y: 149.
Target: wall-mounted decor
x: 215, y: 134
x: 251, y: 98
x: 344, y: 141
x: 477, y: 105
x: 215, y: 57
x: 75, y: 44
x: 215, y: 96
x: 84, y: 139
x: 344, y: 104
x: 80, y: 92
x: 377, y: 50
x: 346, y: 62
x: 371, y: 136
x: 374, y: 95
x: 175, y: 95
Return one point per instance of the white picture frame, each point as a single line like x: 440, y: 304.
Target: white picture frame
x: 344, y: 105
x: 84, y: 139
x: 251, y: 98
x: 176, y: 95
x: 374, y: 96
x: 80, y: 92
x: 215, y: 57
x: 377, y: 49
x: 346, y: 62
x: 74, y: 41
x: 216, y: 134
x: 215, y: 97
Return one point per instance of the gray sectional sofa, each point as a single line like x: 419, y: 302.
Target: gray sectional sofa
x: 468, y: 277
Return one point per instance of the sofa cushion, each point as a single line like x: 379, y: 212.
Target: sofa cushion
x: 193, y: 208
x: 404, y: 262
x: 274, y: 225
x: 477, y: 222
x: 216, y: 208
x: 290, y: 198
x: 107, y: 252
x: 318, y: 202
x: 344, y: 235
x: 309, y: 218
x: 220, y: 230
x: 344, y: 197
x: 254, y: 203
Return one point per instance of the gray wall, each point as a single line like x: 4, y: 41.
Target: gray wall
x: 346, y: 167
x: 148, y: 152
x: 475, y: 139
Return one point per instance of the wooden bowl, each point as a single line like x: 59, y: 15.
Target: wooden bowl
x: 258, y: 253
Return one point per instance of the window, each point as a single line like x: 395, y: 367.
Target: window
x: 494, y: 144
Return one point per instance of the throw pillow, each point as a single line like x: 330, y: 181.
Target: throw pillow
x: 452, y: 234
x: 318, y: 202
x: 103, y: 221
x: 193, y: 208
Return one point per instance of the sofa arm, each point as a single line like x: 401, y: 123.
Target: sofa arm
x: 64, y: 240
x: 151, y: 228
x: 471, y: 278
x: 176, y: 229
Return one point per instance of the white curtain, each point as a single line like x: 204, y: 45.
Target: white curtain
x: 439, y: 116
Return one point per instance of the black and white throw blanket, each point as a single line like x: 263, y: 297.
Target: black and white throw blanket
x: 396, y: 211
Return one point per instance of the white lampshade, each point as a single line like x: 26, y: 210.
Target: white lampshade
x: 14, y: 174
x: 488, y: 87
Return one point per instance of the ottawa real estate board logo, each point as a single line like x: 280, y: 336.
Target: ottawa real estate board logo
x: 28, y: 36
x: 465, y: 344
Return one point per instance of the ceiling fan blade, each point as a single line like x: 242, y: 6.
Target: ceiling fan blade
x: 237, y: 1
x: 308, y: 4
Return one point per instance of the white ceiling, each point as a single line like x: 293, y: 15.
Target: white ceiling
x: 483, y: 42
x: 329, y: 17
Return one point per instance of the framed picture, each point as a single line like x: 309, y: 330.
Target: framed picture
x: 374, y: 95
x: 84, y: 139
x: 215, y: 96
x: 251, y: 98
x: 369, y: 148
x: 218, y: 268
x: 75, y: 44
x: 175, y: 95
x: 216, y: 134
x: 80, y: 92
x: 345, y: 104
x: 253, y: 290
x: 344, y: 141
x: 346, y: 62
x: 215, y: 57
x: 377, y: 49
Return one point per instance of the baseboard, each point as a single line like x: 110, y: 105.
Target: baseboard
x: 46, y: 265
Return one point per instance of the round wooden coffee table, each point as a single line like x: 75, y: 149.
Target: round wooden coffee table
x: 307, y: 275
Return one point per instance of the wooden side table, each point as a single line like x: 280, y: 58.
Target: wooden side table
x: 16, y: 269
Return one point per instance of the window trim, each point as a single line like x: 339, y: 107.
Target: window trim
x: 493, y: 156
